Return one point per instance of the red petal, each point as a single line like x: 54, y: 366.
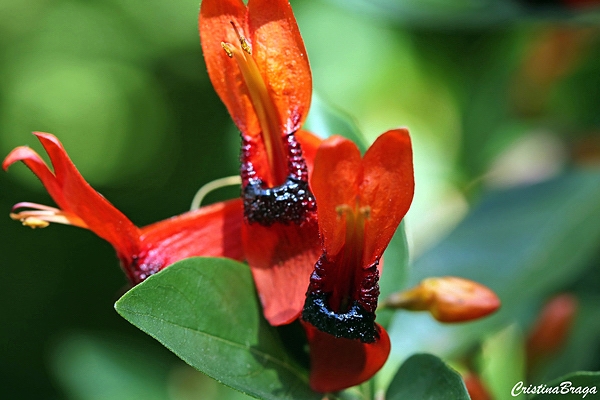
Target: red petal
x: 310, y: 144
x: 35, y: 163
x: 211, y: 231
x: 281, y: 57
x: 387, y: 187
x: 334, y: 183
x: 73, y: 194
x: 282, y: 258
x: 215, y: 27
x: 338, y: 363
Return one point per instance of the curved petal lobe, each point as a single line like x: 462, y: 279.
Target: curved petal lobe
x: 387, y: 187
x: 215, y: 27
x: 338, y: 363
x: 280, y: 54
x: 334, y: 183
x: 74, y: 195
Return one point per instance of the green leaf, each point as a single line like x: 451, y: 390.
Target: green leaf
x: 106, y: 367
x: 325, y: 120
x: 524, y: 243
x: 394, y: 273
x: 205, y: 310
x: 395, y: 258
x: 426, y: 377
x: 503, y: 362
x: 577, y: 385
x: 109, y: 368
x: 582, y: 346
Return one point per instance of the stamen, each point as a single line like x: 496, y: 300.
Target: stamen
x: 42, y: 215
x: 228, y: 49
x: 214, y: 185
x: 264, y: 107
x: 365, y: 212
x: 243, y: 42
x: 31, y: 222
x: 342, y: 209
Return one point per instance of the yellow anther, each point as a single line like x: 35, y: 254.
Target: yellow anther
x: 34, y: 222
x: 365, y: 212
x: 243, y: 41
x: 342, y: 209
x: 228, y: 49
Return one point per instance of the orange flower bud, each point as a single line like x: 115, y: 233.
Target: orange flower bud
x: 448, y: 299
x: 552, y: 327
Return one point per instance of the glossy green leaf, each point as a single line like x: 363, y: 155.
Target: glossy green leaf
x: 325, y: 120
x: 426, y: 377
x: 503, y: 361
x: 577, y: 385
x: 205, y: 310
x: 394, y: 272
x: 581, y: 348
x: 525, y: 243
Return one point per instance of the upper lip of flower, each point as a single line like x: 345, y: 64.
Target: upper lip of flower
x: 267, y: 86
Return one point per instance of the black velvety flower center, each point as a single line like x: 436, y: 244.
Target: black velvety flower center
x: 347, y: 313
x: 356, y: 323
x: 290, y: 202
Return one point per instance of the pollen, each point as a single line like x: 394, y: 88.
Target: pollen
x: 264, y: 107
x: 31, y: 222
x: 228, y: 49
x: 365, y: 212
x: 242, y: 38
x: 40, y: 216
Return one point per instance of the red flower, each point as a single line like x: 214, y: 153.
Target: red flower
x: 209, y: 231
x: 360, y: 203
x: 257, y: 63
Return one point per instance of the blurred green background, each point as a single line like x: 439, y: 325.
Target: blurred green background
x: 496, y: 94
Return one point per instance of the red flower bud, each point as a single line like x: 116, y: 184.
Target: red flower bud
x: 552, y: 327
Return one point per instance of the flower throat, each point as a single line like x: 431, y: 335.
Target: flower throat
x: 282, y: 194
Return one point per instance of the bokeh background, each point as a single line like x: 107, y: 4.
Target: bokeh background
x: 497, y: 94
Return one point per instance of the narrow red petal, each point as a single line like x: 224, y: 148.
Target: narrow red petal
x: 282, y: 258
x: 215, y: 27
x: 310, y: 144
x: 334, y: 183
x: 73, y: 194
x: 281, y: 57
x: 387, y: 187
x: 211, y: 231
x: 35, y: 163
x: 338, y: 363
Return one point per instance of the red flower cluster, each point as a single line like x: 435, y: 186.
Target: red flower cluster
x: 314, y: 216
